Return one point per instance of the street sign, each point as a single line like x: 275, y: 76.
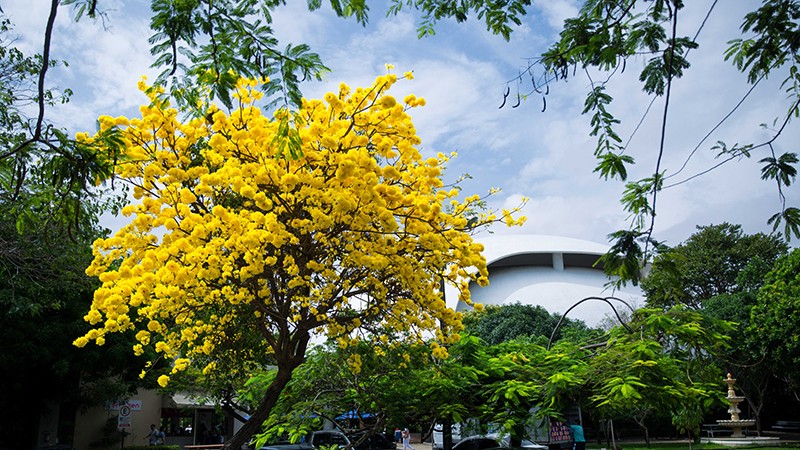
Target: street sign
x: 125, y: 411
x: 124, y: 421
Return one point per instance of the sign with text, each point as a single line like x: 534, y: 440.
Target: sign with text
x: 134, y: 405
x: 124, y: 421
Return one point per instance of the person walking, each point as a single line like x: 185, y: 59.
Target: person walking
x: 406, y: 439
x: 578, y: 439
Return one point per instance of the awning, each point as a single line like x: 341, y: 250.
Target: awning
x: 353, y: 414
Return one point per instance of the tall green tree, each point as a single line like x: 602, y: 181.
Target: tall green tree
x: 660, y: 364
x: 44, y: 296
x: 500, y: 323
x: 708, y: 264
x: 774, y: 319
x: 718, y: 271
x: 745, y: 357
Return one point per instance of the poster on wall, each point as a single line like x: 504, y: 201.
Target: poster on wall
x: 560, y: 432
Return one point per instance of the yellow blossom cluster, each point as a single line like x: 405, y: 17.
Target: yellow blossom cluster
x: 235, y: 252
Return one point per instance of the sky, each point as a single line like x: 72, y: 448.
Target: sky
x: 462, y: 72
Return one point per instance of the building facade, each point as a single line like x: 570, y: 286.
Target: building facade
x: 554, y: 272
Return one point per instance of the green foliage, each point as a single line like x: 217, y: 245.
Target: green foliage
x: 775, y: 318
x: 623, y: 261
x: 663, y: 366
x: 708, y: 264
x: 499, y: 17
x: 44, y: 295
x: 521, y: 375
x: 199, y: 43
x: 663, y: 363
x: 45, y: 177
x: 776, y: 41
x: 239, y: 41
x: 361, y: 378
x: 497, y: 324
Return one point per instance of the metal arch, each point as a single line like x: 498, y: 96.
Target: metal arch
x: 604, y: 299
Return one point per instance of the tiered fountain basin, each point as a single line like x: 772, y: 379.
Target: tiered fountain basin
x: 736, y: 424
x: 743, y: 441
x: 738, y: 439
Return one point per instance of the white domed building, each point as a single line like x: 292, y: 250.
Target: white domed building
x: 554, y: 272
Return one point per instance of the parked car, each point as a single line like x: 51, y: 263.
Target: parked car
x: 327, y: 438
x: 526, y: 444
x: 286, y: 446
x: 438, y: 438
x: 476, y: 443
x: 377, y: 441
x: 334, y: 437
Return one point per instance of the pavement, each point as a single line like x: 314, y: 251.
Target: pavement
x: 418, y: 446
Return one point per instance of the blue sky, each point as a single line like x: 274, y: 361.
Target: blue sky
x: 462, y: 73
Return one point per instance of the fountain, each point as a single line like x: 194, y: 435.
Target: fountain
x: 736, y: 424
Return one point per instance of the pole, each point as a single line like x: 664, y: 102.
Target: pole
x: 613, y: 439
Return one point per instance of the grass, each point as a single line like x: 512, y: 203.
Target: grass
x: 684, y: 445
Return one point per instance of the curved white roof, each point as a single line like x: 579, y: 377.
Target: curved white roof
x: 552, y: 271
x: 499, y: 247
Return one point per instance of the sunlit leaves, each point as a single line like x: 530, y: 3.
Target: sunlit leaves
x: 663, y: 366
x: 613, y: 165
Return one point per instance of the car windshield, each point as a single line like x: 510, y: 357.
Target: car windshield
x: 328, y: 439
x: 375, y: 441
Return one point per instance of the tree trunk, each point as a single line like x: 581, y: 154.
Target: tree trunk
x: 291, y: 357
x: 447, y: 434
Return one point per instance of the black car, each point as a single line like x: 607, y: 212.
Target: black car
x: 476, y: 443
x: 377, y: 441
x: 334, y: 437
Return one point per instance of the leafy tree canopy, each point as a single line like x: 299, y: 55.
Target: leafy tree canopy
x: 774, y: 319
x: 44, y: 295
x: 708, y: 264
x: 662, y: 363
x: 496, y: 324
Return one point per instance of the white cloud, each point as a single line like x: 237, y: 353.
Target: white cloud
x: 556, y: 11
x: 462, y: 71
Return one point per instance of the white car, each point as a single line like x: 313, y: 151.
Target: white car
x: 525, y: 444
x: 438, y: 439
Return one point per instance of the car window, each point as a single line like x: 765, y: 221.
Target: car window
x: 373, y: 442
x: 329, y: 439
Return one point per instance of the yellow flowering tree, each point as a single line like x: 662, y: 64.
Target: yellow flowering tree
x: 236, y: 250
